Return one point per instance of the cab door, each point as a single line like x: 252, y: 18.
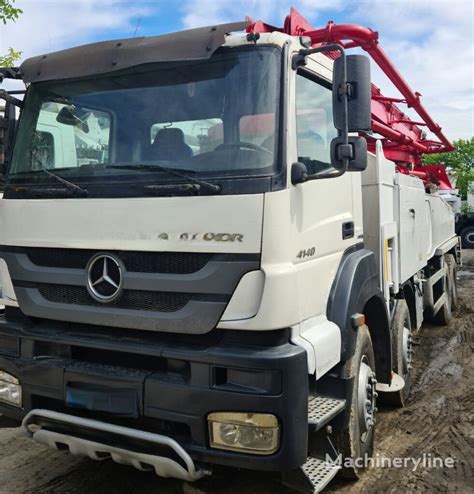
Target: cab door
x: 325, y: 221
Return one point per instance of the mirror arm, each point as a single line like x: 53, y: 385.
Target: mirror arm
x: 10, y: 99
x: 9, y: 73
x: 344, y: 90
x: 332, y: 174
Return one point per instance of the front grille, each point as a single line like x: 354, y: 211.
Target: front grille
x: 138, y: 262
x: 130, y: 299
x: 161, y: 288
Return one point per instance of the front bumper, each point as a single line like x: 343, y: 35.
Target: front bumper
x: 177, y: 463
x: 171, y: 382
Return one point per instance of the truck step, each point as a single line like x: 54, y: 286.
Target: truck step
x: 312, y: 477
x: 319, y: 472
x: 322, y: 409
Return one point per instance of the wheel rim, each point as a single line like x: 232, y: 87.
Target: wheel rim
x: 366, y: 398
x: 407, y: 349
x: 448, y: 292
x: 455, y: 284
x: 470, y: 238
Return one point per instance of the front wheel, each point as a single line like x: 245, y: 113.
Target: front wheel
x: 402, y: 353
x: 356, y: 441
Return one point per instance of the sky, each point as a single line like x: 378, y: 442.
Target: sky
x: 431, y: 42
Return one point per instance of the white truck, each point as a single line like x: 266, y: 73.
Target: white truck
x: 179, y: 299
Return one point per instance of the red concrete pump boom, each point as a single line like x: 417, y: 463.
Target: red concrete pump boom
x: 403, y: 140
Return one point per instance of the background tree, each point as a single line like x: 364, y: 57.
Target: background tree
x: 9, y: 13
x: 461, y: 161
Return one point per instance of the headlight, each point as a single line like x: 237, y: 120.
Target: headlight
x: 257, y: 433
x: 10, y: 389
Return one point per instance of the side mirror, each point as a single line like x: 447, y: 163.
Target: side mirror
x: 352, y: 112
x: 358, y: 93
x: 68, y: 116
x: 357, y: 161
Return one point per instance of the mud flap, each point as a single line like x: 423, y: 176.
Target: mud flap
x: 397, y: 384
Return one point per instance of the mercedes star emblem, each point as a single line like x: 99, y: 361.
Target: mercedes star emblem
x: 104, y: 277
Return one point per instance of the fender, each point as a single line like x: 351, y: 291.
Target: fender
x: 356, y: 290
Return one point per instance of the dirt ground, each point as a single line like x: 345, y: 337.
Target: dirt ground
x: 436, y: 422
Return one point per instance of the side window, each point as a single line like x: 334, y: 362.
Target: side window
x: 70, y: 136
x: 314, y: 124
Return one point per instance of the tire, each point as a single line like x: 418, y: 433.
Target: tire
x: 467, y: 237
x: 402, y: 351
x: 356, y: 440
x: 453, y: 279
x: 444, y: 315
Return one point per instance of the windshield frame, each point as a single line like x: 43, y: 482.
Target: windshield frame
x: 131, y: 184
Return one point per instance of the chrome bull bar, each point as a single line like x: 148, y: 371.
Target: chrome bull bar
x: 163, y: 467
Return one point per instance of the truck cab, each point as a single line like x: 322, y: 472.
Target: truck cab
x: 187, y: 265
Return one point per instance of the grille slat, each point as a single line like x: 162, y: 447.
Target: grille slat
x: 138, y: 262
x: 130, y: 299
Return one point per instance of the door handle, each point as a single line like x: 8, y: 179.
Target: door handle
x: 347, y: 230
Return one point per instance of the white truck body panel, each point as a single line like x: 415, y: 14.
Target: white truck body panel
x: 140, y: 224
x: 403, y: 225
x: 380, y: 227
x: 440, y: 217
x: 413, y: 227
x: 322, y: 340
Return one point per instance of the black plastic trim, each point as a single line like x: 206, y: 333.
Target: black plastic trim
x: 184, y: 400
x: 357, y: 282
x: 279, y: 180
x: 121, y: 188
x: 347, y: 230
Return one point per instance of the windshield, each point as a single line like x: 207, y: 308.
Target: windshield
x: 213, y: 119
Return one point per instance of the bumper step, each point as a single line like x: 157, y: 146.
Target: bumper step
x: 322, y: 410
x: 312, y: 477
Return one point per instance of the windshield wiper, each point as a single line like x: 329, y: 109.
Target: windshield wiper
x: 74, y: 189
x: 148, y: 167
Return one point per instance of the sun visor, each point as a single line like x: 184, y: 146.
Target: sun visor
x: 111, y: 56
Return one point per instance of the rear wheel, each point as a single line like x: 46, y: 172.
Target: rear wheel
x: 452, y: 276
x: 444, y: 315
x: 356, y: 441
x: 402, y: 350
x: 467, y: 237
